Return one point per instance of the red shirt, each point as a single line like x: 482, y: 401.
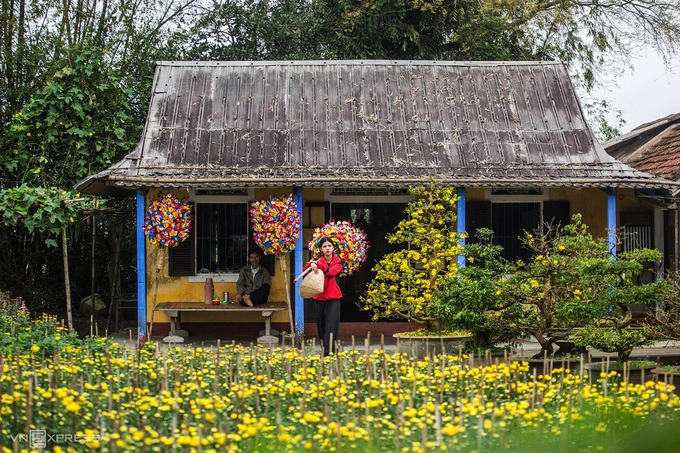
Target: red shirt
x: 331, y: 290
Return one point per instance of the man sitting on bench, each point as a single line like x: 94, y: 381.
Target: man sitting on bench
x: 254, y: 282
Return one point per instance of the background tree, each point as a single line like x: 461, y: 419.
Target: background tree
x: 74, y: 86
x: 595, y: 39
x: 254, y: 30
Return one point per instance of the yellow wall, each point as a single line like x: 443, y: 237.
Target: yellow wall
x: 592, y: 205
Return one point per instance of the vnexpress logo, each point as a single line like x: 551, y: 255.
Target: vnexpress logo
x: 37, y: 438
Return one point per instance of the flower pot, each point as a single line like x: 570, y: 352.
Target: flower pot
x: 421, y: 346
x: 669, y: 377
x: 636, y: 374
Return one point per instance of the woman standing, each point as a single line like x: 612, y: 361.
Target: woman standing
x: 328, y: 302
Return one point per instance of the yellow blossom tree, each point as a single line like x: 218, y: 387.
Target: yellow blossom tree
x: 406, y: 279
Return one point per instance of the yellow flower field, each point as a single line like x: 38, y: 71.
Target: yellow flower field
x: 100, y: 397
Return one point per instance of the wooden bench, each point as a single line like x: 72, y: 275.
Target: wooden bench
x: 173, y: 309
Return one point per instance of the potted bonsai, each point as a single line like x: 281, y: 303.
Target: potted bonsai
x: 473, y: 299
x: 570, y: 281
x: 406, y: 279
x: 666, y: 323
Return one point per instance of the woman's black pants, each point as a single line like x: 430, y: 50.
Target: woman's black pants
x: 327, y: 323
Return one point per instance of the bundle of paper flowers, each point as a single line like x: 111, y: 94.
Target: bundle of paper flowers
x: 350, y: 242
x: 276, y: 224
x: 167, y: 221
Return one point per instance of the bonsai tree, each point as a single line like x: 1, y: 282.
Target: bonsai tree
x: 666, y: 323
x: 474, y: 299
x: 571, y: 280
x: 606, y: 337
x: 406, y: 279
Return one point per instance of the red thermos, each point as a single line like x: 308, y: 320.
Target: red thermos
x: 209, y: 289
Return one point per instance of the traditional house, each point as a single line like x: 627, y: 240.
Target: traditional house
x: 348, y: 138
x: 654, y: 148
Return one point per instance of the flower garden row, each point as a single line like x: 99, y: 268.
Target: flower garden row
x: 235, y: 398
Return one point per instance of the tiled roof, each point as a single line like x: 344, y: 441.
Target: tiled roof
x: 659, y: 156
x: 365, y: 124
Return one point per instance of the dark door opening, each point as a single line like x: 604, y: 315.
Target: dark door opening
x: 377, y: 220
x: 509, y: 221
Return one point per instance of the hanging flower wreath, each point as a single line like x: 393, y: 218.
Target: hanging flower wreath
x: 350, y: 242
x: 276, y: 224
x: 167, y: 221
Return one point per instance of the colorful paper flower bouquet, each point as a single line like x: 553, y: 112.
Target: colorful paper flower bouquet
x: 276, y: 224
x: 167, y: 221
x: 350, y: 241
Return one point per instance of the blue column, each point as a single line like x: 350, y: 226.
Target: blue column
x: 141, y: 267
x: 611, y: 221
x: 299, y: 301
x: 461, y: 221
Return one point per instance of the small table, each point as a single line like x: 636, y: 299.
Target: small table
x: 173, y: 309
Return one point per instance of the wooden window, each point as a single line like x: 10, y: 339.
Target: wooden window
x: 221, y: 236
x: 509, y: 221
x: 218, y: 242
x: 477, y: 215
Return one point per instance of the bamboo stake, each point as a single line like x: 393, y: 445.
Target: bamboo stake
x: 283, y: 264
x: 159, y: 266
x: 92, y: 268
x: 67, y: 280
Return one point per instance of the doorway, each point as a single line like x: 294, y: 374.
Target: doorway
x: 509, y: 221
x: 377, y: 220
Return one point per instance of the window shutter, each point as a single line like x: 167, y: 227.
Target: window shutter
x: 556, y: 212
x: 477, y: 215
x: 182, y: 259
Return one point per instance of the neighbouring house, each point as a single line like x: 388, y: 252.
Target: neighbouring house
x: 348, y: 138
x: 654, y: 148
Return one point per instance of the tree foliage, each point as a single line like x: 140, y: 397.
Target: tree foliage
x: 80, y: 119
x: 571, y: 280
x: 74, y: 87
x: 254, y: 30
x: 406, y: 279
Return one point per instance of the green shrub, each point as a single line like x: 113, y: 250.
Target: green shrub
x: 20, y: 334
x: 610, y: 339
x: 570, y: 280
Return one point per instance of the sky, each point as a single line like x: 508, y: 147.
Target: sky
x: 647, y: 93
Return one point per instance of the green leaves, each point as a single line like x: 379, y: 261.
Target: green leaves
x: 43, y: 210
x: 80, y: 112
x: 612, y: 339
x: 571, y: 280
